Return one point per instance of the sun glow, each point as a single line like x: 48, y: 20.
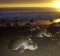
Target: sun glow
x: 57, y: 4
x: 57, y: 20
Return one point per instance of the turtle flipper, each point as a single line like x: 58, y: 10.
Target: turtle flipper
x: 21, y: 50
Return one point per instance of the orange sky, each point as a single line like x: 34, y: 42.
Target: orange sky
x: 27, y: 5
x: 30, y: 3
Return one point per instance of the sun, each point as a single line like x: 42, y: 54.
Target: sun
x: 56, y: 4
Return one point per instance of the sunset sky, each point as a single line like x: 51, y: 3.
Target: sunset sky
x: 54, y: 4
x: 30, y: 3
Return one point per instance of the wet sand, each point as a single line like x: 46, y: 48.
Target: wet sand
x: 46, y: 47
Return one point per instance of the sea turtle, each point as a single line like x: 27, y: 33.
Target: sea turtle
x: 20, y: 44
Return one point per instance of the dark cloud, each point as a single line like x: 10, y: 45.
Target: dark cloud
x: 24, y: 1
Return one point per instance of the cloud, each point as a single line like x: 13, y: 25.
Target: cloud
x: 23, y: 1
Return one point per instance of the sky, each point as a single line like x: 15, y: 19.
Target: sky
x: 24, y: 1
x: 29, y: 3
